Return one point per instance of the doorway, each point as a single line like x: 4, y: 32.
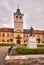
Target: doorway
x: 18, y: 41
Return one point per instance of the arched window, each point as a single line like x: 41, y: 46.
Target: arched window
x: 7, y: 40
x: 3, y: 35
x: 0, y: 34
x: 20, y: 17
x: 2, y: 40
x: 38, y: 40
x: 11, y: 40
x: 16, y: 16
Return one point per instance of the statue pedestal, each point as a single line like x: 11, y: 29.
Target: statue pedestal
x: 32, y: 42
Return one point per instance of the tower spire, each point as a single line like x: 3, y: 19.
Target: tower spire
x: 18, y: 6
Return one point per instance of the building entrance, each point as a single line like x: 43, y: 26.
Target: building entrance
x: 18, y: 41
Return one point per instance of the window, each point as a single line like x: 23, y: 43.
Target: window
x: 11, y: 40
x: 42, y: 41
x: 16, y: 16
x: 3, y: 40
x: 25, y: 40
x: 38, y: 40
x: 3, y: 35
x: 20, y: 17
x: 7, y: 40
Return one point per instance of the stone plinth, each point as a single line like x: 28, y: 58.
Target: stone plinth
x: 32, y: 42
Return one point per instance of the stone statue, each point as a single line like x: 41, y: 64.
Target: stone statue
x: 31, y: 31
x: 31, y: 40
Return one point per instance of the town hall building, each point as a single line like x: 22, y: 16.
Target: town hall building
x: 18, y: 35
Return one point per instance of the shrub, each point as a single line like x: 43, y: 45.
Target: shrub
x: 23, y: 64
x: 40, y: 45
x: 29, y: 51
x: 24, y: 44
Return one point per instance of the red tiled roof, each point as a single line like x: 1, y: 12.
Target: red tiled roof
x: 38, y: 31
x: 25, y: 30
x: 6, y: 30
x: 34, y: 31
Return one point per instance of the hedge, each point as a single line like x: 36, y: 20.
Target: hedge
x: 40, y: 45
x: 30, y: 51
x: 23, y: 45
x: 7, y: 44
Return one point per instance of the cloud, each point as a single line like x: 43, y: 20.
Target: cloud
x: 5, y: 25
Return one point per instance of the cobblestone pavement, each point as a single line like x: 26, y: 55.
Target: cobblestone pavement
x: 3, y: 53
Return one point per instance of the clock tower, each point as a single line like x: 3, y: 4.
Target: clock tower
x: 18, y: 27
x: 18, y: 21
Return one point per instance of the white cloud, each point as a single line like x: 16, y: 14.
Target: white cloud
x: 5, y: 25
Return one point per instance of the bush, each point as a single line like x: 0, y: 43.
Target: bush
x: 29, y: 51
x: 23, y: 64
x: 24, y: 44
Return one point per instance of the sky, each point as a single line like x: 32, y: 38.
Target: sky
x: 33, y: 11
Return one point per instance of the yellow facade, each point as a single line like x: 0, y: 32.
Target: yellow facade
x: 18, y: 35
x: 5, y: 37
